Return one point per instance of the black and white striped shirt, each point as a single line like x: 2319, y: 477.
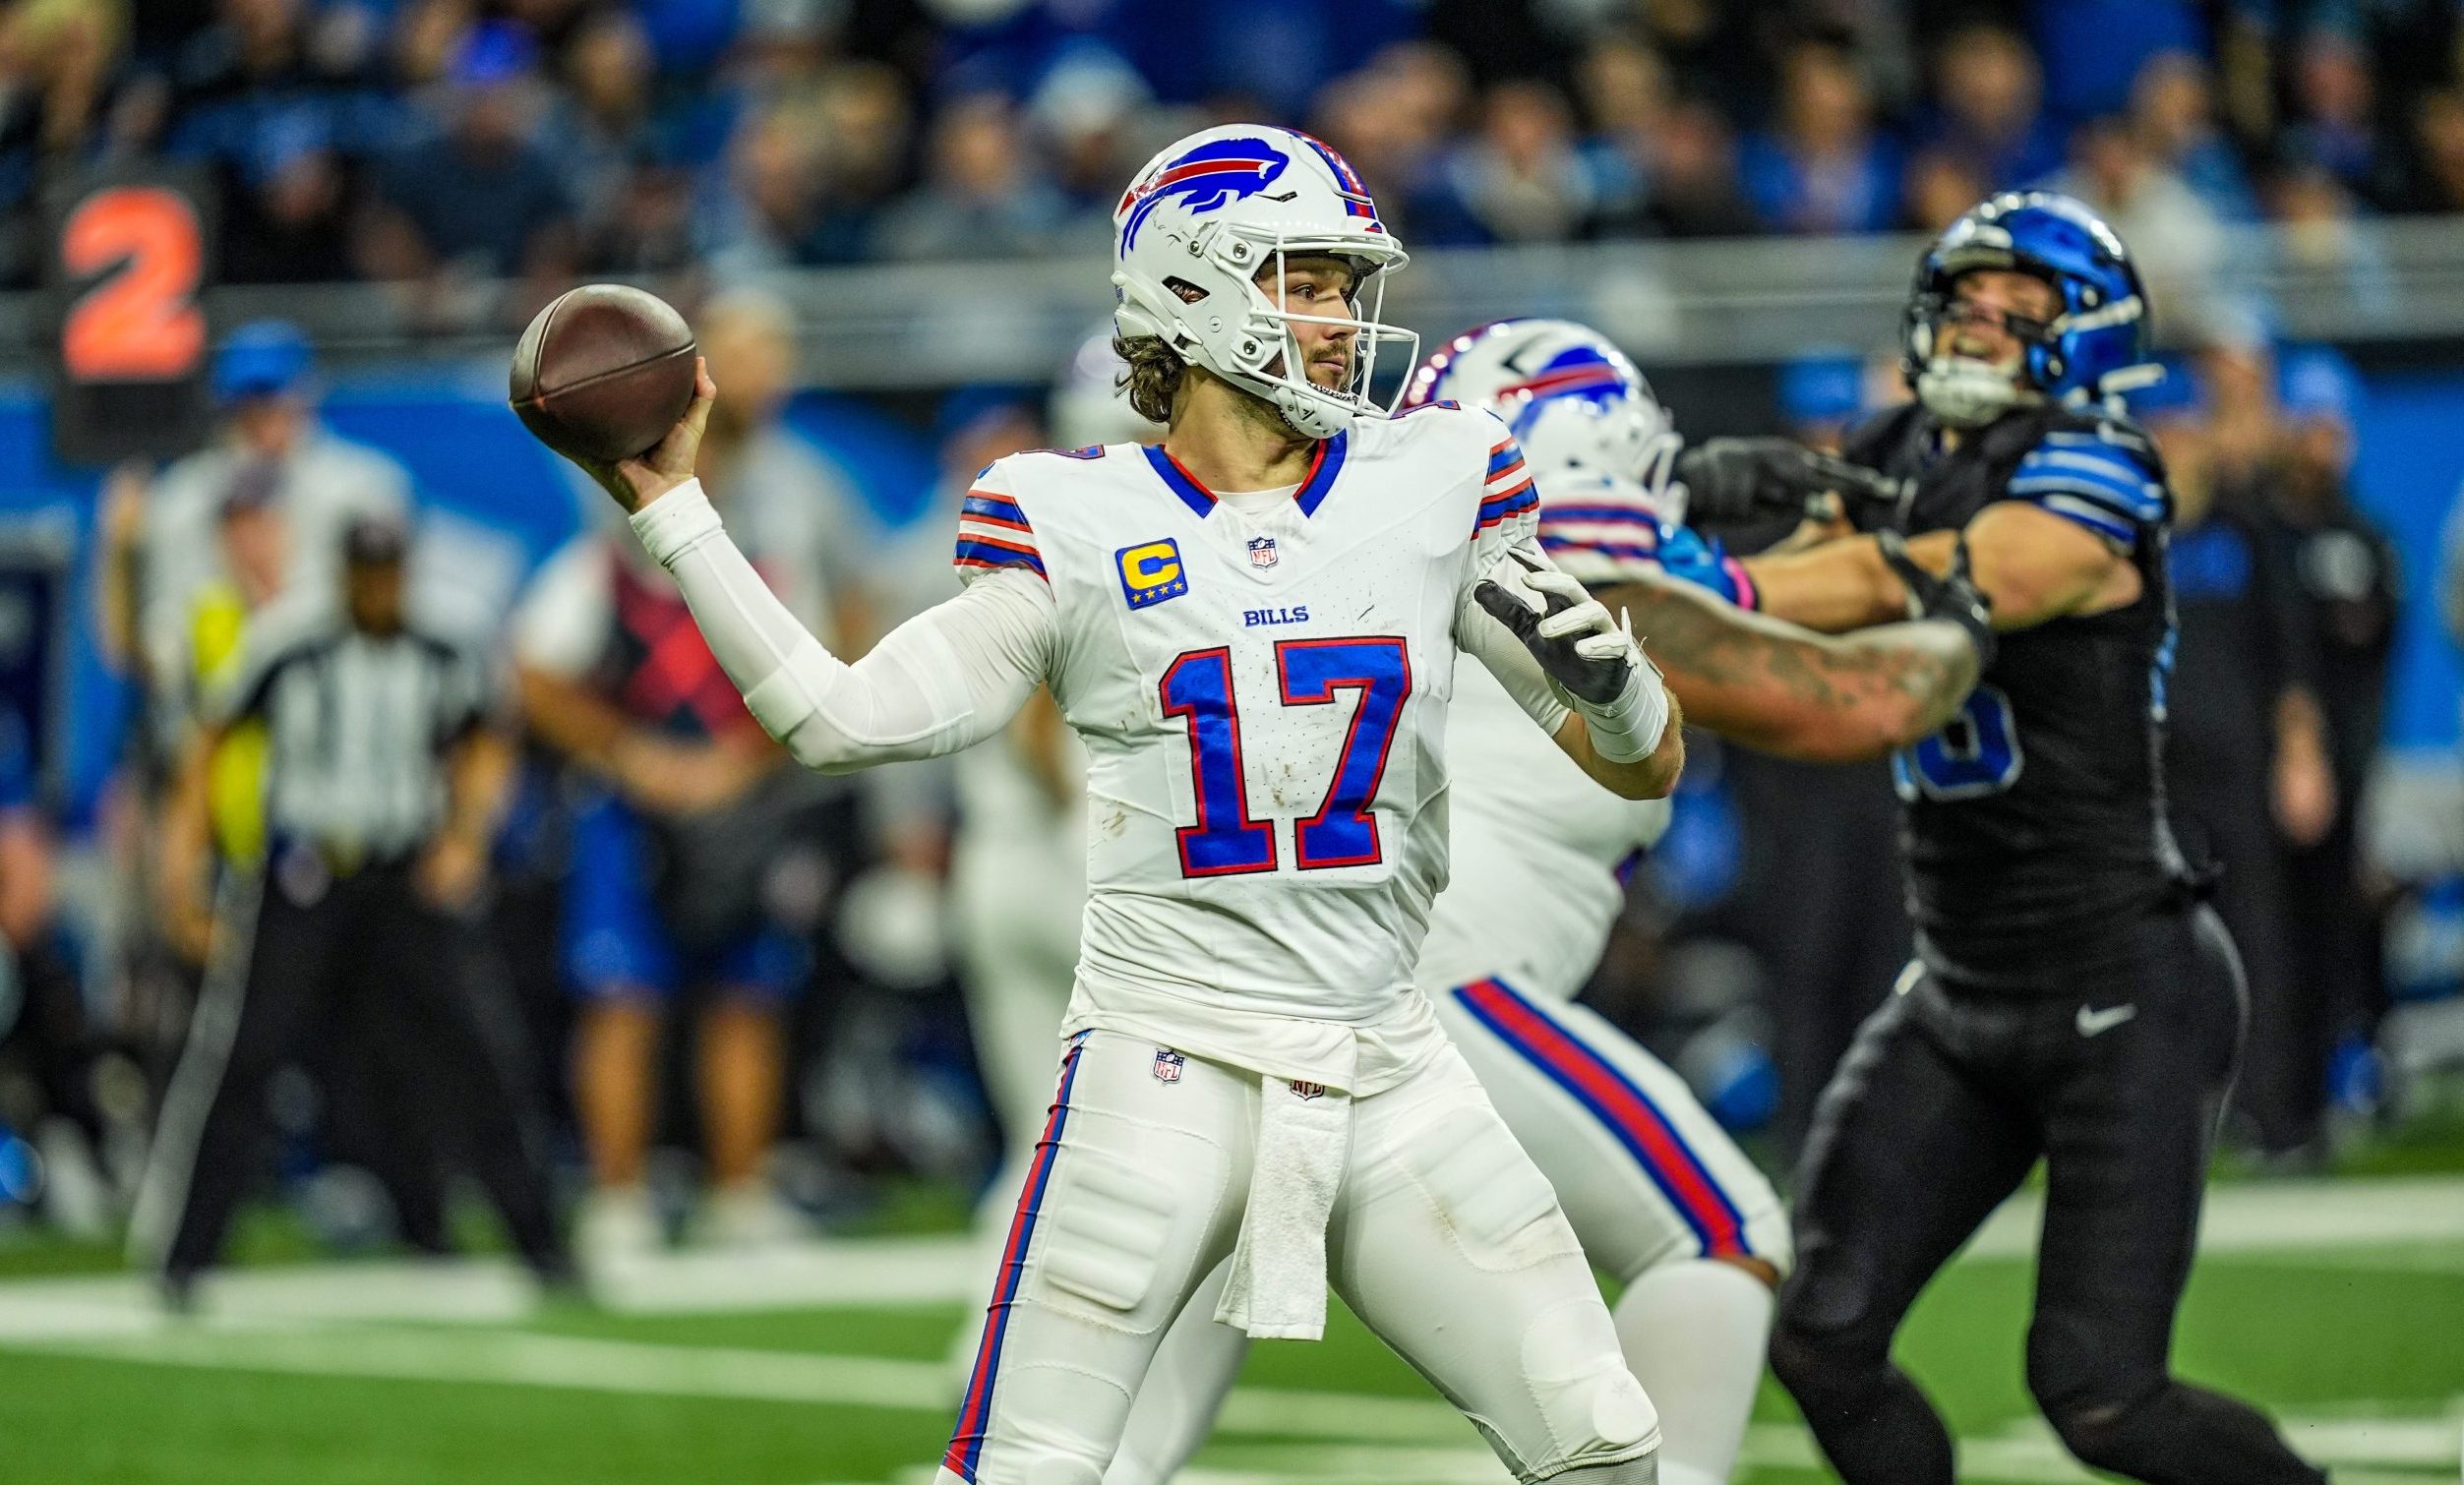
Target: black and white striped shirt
x: 357, y: 729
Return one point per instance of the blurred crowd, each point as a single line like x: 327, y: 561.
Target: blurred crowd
x: 440, y: 142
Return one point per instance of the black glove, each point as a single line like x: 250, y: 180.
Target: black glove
x: 1731, y: 481
x: 1952, y: 597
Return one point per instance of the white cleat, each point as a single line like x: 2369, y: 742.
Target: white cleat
x: 617, y: 1222
x: 752, y: 1216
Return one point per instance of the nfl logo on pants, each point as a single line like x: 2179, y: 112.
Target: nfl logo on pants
x: 1167, y: 1066
x: 1262, y: 551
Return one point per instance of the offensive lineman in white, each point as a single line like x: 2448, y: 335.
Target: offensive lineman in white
x: 1660, y: 1197
x: 1260, y: 676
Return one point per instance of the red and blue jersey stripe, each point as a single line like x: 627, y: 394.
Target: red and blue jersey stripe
x: 1619, y: 516
x: 1551, y: 541
x: 1508, y: 491
x: 975, y: 1411
x: 1602, y: 526
x: 1622, y: 1108
x: 993, y: 532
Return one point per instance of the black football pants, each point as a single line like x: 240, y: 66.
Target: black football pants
x: 1942, y: 1105
x: 364, y: 957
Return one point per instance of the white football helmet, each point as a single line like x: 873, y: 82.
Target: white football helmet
x: 1576, y: 403
x: 1222, y: 208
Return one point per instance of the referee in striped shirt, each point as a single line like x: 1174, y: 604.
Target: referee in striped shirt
x: 381, y: 778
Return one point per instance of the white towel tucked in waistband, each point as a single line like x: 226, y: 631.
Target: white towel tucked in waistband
x: 1276, y: 1290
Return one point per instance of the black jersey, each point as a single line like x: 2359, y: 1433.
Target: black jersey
x: 2034, y: 822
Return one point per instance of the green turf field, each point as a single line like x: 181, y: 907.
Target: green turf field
x: 2339, y: 1305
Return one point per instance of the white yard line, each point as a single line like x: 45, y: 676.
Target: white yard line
x: 2416, y: 1221
x: 2275, y: 1217
x: 853, y: 1275
x: 525, y: 1358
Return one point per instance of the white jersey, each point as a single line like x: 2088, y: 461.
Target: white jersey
x: 1263, y: 700
x: 1540, y: 851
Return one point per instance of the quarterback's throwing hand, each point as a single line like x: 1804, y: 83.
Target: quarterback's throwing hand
x: 1570, y: 633
x: 665, y: 464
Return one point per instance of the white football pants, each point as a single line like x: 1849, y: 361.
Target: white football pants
x: 1444, y: 1239
x: 1646, y: 1176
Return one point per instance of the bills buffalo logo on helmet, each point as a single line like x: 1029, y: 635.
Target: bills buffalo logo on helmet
x: 1210, y: 176
x: 1347, y: 185
x: 1578, y: 371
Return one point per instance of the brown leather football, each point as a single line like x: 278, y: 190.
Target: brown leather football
x: 604, y: 371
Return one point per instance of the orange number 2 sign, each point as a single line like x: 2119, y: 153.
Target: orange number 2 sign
x: 141, y: 322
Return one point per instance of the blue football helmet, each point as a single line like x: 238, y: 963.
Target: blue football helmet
x: 2095, y: 348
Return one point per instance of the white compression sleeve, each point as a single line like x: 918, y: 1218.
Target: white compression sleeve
x: 945, y: 680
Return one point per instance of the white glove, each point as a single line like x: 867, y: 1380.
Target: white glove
x: 1592, y: 658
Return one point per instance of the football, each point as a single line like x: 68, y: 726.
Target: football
x: 603, y: 372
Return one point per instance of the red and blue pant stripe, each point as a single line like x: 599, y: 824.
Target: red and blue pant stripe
x: 974, y: 1414
x: 1622, y: 1108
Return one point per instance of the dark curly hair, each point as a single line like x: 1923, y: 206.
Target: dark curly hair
x: 1154, y: 375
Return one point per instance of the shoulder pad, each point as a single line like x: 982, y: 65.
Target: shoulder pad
x: 2102, y: 471
x: 1507, y: 489
x: 993, y: 526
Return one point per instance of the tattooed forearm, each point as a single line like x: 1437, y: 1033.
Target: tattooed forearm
x: 1931, y: 663
x: 1706, y: 644
x: 1790, y: 691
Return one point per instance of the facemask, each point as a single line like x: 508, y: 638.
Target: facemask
x: 1966, y: 392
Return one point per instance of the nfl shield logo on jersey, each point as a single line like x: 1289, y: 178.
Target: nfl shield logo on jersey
x: 1167, y: 1066
x: 1309, y: 1090
x: 1262, y: 551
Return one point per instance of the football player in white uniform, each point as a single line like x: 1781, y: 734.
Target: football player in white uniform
x: 1659, y: 1194
x: 1255, y: 627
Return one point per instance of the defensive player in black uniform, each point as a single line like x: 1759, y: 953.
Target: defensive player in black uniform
x: 2071, y: 998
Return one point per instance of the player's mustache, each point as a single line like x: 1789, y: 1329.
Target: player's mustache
x: 1340, y: 358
